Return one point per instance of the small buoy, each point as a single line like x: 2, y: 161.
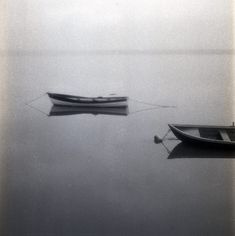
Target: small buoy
x: 157, y: 139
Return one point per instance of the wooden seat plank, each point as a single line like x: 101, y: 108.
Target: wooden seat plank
x: 224, y: 135
x: 193, y: 132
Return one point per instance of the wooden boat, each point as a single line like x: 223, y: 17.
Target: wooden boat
x: 70, y: 100
x: 66, y: 110
x: 183, y: 150
x: 217, y: 136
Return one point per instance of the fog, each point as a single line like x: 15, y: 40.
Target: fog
x: 102, y: 174
x: 118, y: 24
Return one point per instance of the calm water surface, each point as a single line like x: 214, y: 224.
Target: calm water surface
x: 100, y: 174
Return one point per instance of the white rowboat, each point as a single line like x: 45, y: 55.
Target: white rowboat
x: 70, y: 100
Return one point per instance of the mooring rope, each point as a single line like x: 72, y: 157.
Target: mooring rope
x: 37, y: 109
x: 142, y: 110
x: 168, y: 151
x: 151, y: 104
x: 169, y: 130
x: 35, y: 99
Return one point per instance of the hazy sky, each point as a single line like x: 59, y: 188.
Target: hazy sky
x: 118, y: 24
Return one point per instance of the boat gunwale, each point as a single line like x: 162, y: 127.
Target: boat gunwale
x: 202, y: 139
x: 204, y: 126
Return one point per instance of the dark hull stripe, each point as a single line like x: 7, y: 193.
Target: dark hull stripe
x: 79, y: 99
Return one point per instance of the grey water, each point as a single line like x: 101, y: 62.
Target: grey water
x: 101, y: 174
x: 89, y: 174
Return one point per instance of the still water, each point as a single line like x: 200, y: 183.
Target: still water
x: 102, y: 174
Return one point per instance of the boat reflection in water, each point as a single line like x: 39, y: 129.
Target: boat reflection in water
x: 189, y: 151
x: 64, y: 111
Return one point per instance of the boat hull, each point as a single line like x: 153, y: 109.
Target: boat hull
x: 178, y: 131
x: 76, y: 101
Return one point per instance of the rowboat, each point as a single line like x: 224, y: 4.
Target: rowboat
x: 71, y: 100
x: 205, y: 135
x: 66, y: 110
x: 183, y: 150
